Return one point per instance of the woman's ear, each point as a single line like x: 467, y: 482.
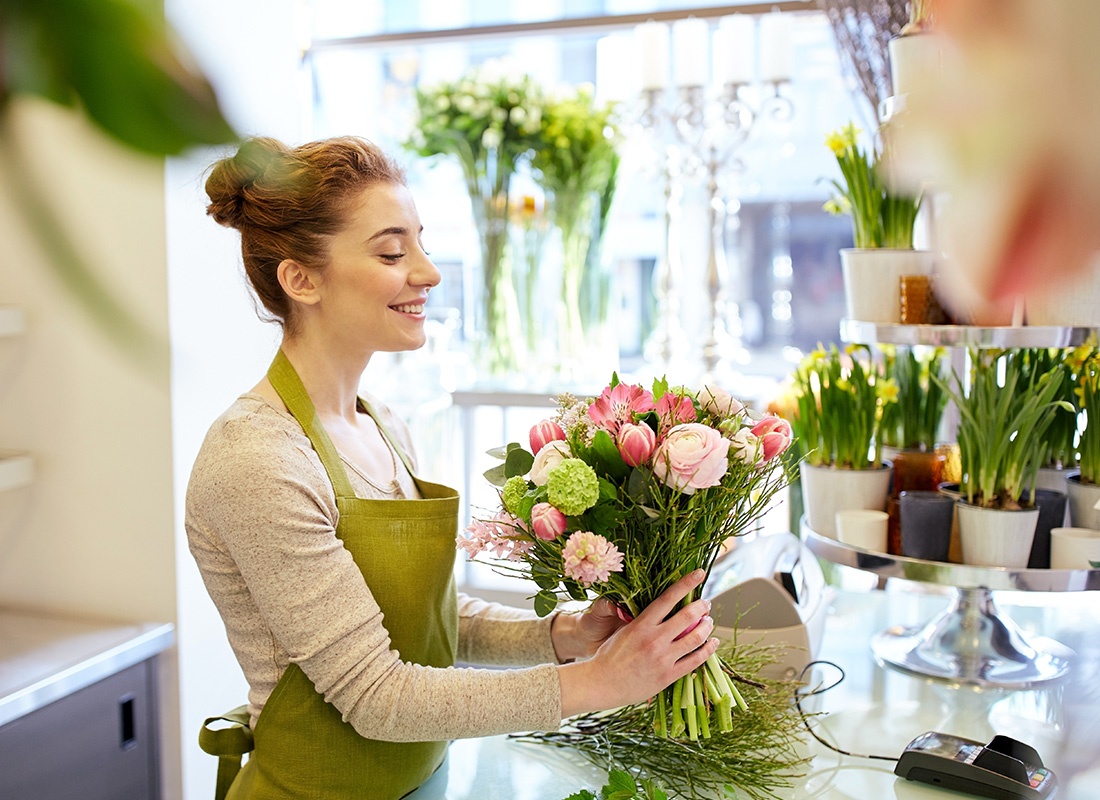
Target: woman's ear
x: 299, y: 283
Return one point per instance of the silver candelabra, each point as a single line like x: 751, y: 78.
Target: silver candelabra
x: 700, y: 135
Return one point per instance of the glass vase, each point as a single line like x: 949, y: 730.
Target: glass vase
x: 497, y: 338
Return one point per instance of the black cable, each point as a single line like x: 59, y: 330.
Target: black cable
x: 821, y: 690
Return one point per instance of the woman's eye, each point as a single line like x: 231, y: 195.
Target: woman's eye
x: 392, y: 258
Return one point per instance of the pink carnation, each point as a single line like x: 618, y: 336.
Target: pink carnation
x: 692, y: 456
x: 590, y: 558
x: 617, y: 406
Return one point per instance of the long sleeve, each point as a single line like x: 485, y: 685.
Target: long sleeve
x: 261, y: 523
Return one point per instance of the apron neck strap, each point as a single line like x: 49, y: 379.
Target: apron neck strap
x: 293, y: 393
x: 388, y: 436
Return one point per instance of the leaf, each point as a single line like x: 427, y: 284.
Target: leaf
x: 496, y: 475
x: 575, y: 590
x: 608, y: 460
x: 518, y: 462
x: 545, y: 602
x: 620, y: 786
x: 121, y: 65
x: 583, y: 794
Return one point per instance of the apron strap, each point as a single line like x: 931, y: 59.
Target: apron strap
x: 289, y: 387
x: 388, y: 436
x: 228, y: 744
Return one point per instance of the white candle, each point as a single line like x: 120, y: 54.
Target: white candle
x: 734, y: 49
x: 775, y: 47
x: 651, y: 48
x: 689, y: 47
x: 614, y: 68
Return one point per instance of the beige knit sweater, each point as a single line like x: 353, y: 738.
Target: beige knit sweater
x: 261, y: 523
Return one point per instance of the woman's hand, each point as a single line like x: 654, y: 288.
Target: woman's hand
x: 577, y: 636
x: 644, y: 656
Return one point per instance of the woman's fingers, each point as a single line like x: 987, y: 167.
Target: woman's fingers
x: 671, y: 597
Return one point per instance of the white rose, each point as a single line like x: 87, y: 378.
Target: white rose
x: 549, y: 456
x: 720, y: 402
x: 746, y: 446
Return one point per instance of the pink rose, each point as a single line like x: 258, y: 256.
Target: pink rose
x: 543, y: 432
x: 636, y: 443
x: 548, y: 522
x: 775, y: 436
x: 692, y: 456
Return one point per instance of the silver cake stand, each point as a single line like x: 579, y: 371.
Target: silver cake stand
x: 972, y: 641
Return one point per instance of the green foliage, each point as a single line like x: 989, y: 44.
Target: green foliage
x: 1005, y: 410
x: 118, y: 64
x: 759, y: 758
x: 913, y: 421
x: 122, y: 67
x: 841, y: 398
x: 882, y: 216
x: 1084, y: 366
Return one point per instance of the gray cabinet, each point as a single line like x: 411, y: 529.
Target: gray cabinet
x: 98, y: 743
x: 78, y: 708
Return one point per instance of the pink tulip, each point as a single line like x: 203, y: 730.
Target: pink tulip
x: 775, y: 436
x: 636, y: 443
x: 548, y: 522
x: 543, y: 432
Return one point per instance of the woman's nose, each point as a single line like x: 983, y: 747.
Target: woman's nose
x: 425, y: 272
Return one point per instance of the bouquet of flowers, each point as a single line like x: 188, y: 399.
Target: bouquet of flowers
x: 622, y: 495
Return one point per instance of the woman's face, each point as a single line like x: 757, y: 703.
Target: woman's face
x: 373, y: 290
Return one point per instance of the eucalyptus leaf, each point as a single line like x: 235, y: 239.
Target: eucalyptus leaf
x: 518, y: 462
x: 545, y: 602
x: 608, y: 460
x: 496, y: 475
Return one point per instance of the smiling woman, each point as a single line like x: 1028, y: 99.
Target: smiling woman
x: 330, y: 561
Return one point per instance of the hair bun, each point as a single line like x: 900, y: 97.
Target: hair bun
x: 233, y: 179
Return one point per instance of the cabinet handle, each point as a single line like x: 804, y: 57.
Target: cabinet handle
x: 127, y: 737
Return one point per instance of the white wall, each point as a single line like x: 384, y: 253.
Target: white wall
x: 248, y: 48
x: 94, y: 535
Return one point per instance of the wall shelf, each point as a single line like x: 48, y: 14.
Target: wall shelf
x: 13, y: 321
x: 858, y: 331
x: 16, y: 470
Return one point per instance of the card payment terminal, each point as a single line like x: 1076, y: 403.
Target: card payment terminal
x: 1005, y: 769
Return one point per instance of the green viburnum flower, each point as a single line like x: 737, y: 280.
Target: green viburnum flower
x: 512, y: 493
x: 572, y: 487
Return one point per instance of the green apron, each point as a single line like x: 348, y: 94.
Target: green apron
x: 406, y: 552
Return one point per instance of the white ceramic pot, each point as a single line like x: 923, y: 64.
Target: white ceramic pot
x: 1081, y: 500
x: 1074, y: 303
x: 827, y: 490
x: 872, y: 280
x: 994, y: 537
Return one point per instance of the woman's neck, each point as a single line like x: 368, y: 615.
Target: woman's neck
x: 330, y: 378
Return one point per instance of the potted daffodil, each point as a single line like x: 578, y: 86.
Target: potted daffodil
x: 840, y: 396
x: 1005, y: 412
x: 884, y: 219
